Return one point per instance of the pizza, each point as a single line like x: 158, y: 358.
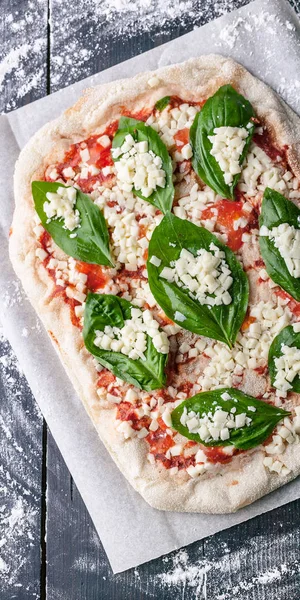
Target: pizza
x: 157, y: 234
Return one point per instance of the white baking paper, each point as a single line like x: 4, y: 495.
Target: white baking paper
x: 264, y: 36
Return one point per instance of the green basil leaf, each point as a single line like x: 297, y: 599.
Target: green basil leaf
x: 91, y: 245
x: 220, y: 322
x: 288, y: 337
x: 162, y: 198
x: 264, y: 419
x: 276, y: 209
x: 225, y: 108
x: 162, y: 103
x: 105, y: 309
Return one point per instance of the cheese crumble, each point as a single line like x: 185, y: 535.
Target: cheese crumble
x: 286, y: 239
x: 214, y: 426
x: 287, y: 366
x: 131, y: 339
x: 227, y: 146
x: 61, y: 205
x: 206, y: 275
x: 138, y: 167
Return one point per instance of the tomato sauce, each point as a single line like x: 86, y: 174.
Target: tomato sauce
x: 293, y: 305
x: 247, y: 322
x: 227, y: 213
x: 182, y: 137
x: 265, y: 143
x: 124, y: 274
x: 126, y: 412
x: 175, y: 102
x: 99, y: 157
x: 215, y: 454
x: 105, y: 377
x: 96, y: 279
x: 140, y: 115
x: 159, y: 441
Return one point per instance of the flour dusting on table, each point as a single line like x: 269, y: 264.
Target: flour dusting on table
x: 145, y: 22
x: 19, y: 490
x: 206, y: 577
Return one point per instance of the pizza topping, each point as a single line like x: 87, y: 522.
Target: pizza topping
x: 90, y: 243
x: 206, y: 276
x: 214, y: 426
x: 285, y: 434
x: 125, y: 340
x: 162, y: 103
x: 220, y: 137
x: 61, y: 205
x: 287, y: 239
x: 227, y: 147
x: 193, y: 279
x: 287, y: 366
x: 250, y: 351
x: 173, y: 124
x: 143, y: 163
x: 279, y: 239
x: 212, y: 418
x: 284, y: 360
x: 138, y: 168
x: 131, y: 339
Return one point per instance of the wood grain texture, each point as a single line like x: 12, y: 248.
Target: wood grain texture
x: 23, y: 52
x: 23, y: 78
x: 20, y: 483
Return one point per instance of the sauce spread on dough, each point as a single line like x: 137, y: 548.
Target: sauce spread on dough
x: 227, y: 212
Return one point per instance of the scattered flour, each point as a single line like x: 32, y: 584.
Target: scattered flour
x: 145, y: 23
x: 19, y: 487
x: 206, y: 578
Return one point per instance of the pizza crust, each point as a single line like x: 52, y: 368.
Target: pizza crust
x: 246, y: 479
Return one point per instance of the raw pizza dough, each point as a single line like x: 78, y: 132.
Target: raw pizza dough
x: 245, y: 478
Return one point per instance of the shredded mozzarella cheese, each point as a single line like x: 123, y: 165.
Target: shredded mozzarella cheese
x: 206, y: 276
x: 286, y: 239
x: 138, y: 168
x: 227, y: 146
x: 214, y: 426
x: 131, y: 339
x: 61, y: 205
x: 287, y: 366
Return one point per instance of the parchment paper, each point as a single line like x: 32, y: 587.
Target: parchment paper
x: 264, y: 36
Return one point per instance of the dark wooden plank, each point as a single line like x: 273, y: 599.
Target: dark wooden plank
x: 23, y: 78
x: 257, y: 559
x: 23, y: 52
x: 98, y: 35
x: 20, y: 482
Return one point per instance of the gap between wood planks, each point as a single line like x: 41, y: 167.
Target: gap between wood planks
x: 43, y: 541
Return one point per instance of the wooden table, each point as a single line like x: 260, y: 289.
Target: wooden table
x: 48, y: 546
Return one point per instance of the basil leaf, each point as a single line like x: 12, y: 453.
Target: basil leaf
x: 264, y: 419
x: 102, y: 310
x: 276, y: 209
x: 91, y: 244
x: 162, y: 198
x: 225, y: 108
x: 162, y: 103
x: 220, y: 322
x: 288, y: 337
